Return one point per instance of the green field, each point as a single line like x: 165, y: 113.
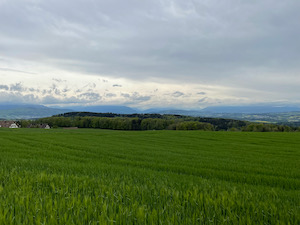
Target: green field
x: 88, y: 176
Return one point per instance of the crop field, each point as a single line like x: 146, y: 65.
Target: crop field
x: 90, y: 176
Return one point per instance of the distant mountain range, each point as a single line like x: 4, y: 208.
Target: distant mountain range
x: 23, y: 111
x: 28, y: 111
x: 105, y: 109
x: 251, y: 112
x: 250, y: 109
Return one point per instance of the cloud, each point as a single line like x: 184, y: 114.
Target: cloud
x: 50, y: 100
x: 177, y: 94
x: 201, y: 93
x: 59, y: 80
x: 110, y: 95
x: 125, y: 95
x: 65, y: 90
x: 135, y: 97
x: 17, y: 97
x: 17, y: 87
x: 91, y: 85
x: 202, y: 100
x: 90, y: 96
x: 44, y: 92
x: 230, y: 43
x: 13, y: 70
x: 33, y: 90
x: 4, y: 87
x: 188, y: 40
x: 82, y: 99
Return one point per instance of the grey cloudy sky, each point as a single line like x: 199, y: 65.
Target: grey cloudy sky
x: 190, y: 53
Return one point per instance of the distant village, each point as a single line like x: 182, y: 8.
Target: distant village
x: 14, y: 124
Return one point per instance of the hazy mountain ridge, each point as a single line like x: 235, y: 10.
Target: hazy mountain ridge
x: 28, y: 111
x: 259, y: 113
x: 105, y: 109
x: 23, y: 111
x: 255, y: 109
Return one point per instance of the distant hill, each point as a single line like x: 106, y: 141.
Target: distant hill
x: 251, y: 109
x: 289, y: 115
x: 8, y: 106
x: 29, y: 111
x: 134, y: 121
x: 259, y: 113
x: 23, y: 111
x: 112, y: 115
x: 159, y: 110
x: 180, y: 112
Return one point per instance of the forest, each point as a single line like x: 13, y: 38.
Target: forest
x: 152, y: 122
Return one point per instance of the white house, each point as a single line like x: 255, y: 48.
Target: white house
x: 13, y: 125
x: 47, y: 127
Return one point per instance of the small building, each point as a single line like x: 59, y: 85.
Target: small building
x: 9, y: 124
x: 13, y: 125
x: 42, y: 126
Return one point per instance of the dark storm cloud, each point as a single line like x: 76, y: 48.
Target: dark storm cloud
x: 209, y: 42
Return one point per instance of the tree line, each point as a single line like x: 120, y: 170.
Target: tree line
x: 152, y: 122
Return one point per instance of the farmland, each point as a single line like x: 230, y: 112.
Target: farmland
x: 90, y: 176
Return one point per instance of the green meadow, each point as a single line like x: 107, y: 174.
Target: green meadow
x: 93, y: 176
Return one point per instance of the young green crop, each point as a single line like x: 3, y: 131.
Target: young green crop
x: 153, y: 177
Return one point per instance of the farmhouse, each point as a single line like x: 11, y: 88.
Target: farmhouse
x: 13, y: 125
x: 43, y: 126
x: 9, y: 124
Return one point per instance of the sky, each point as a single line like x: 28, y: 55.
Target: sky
x: 150, y: 53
